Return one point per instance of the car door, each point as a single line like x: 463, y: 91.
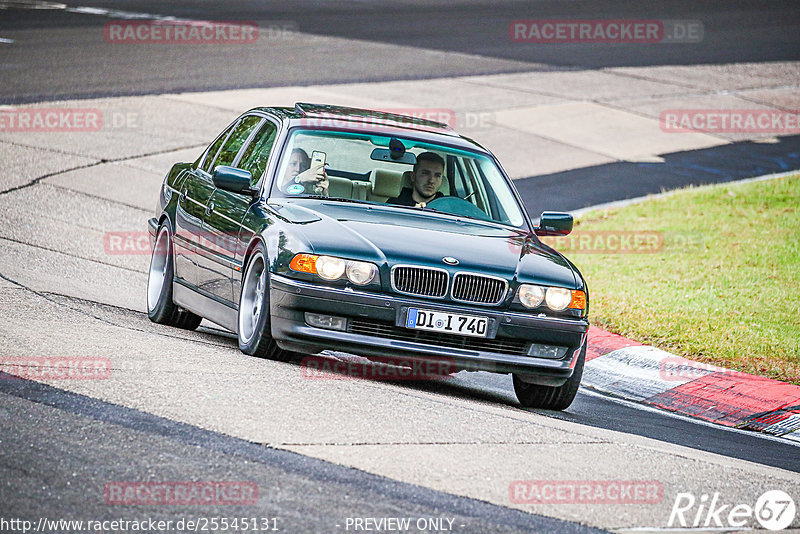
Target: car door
x: 227, y: 210
x: 195, y: 191
x: 221, y: 216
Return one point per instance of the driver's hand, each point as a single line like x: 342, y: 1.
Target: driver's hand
x: 316, y: 177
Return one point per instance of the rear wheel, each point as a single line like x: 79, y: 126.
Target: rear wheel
x: 551, y: 397
x: 160, y: 307
x: 254, y: 321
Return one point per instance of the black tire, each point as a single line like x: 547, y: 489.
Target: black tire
x: 253, y: 321
x: 551, y: 397
x: 160, y: 307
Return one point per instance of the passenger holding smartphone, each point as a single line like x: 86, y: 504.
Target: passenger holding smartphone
x: 303, y: 171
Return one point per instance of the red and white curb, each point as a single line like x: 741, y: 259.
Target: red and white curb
x: 625, y: 368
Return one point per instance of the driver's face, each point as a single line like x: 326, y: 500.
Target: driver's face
x: 428, y: 178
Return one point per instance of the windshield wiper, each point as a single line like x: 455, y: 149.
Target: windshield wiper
x: 338, y: 199
x: 426, y: 208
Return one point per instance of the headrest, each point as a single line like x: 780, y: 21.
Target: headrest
x: 386, y: 183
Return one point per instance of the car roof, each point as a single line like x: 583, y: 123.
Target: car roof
x: 329, y: 117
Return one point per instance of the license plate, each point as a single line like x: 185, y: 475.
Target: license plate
x: 449, y: 323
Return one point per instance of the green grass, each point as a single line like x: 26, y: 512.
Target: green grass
x: 723, y: 289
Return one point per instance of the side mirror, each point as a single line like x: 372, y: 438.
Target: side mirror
x: 232, y: 179
x: 554, y: 223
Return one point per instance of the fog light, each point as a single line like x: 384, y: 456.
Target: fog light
x: 329, y: 322
x: 552, y: 352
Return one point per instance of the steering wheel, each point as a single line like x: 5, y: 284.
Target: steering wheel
x: 458, y: 206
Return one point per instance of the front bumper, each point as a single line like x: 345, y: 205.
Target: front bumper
x: 290, y: 299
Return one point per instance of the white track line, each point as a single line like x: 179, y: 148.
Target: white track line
x: 653, y: 409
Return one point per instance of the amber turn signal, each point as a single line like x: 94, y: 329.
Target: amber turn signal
x: 304, y: 263
x: 578, y: 301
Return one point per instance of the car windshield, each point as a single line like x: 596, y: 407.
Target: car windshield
x: 381, y: 169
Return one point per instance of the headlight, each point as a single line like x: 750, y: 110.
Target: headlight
x: 360, y: 272
x: 558, y: 298
x: 531, y: 296
x: 330, y: 268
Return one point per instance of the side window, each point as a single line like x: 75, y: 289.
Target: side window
x: 212, y: 151
x: 255, y: 156
x: 235, y: 141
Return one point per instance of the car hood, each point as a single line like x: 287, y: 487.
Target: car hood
x: 393, y: 236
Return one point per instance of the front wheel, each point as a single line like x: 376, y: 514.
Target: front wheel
x: 160, y: 307
x: 551, y: 397
x: 254, y: 329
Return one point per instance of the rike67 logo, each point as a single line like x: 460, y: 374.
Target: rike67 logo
x: 774, y: 510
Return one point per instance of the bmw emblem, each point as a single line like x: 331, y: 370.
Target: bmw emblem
x: 449, y: 260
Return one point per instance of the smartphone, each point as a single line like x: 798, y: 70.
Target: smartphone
x: 317, y: 158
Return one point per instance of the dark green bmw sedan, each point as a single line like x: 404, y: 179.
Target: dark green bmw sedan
x: 328, y: 228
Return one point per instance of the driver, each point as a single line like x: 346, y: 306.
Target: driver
x: 425, y: 180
